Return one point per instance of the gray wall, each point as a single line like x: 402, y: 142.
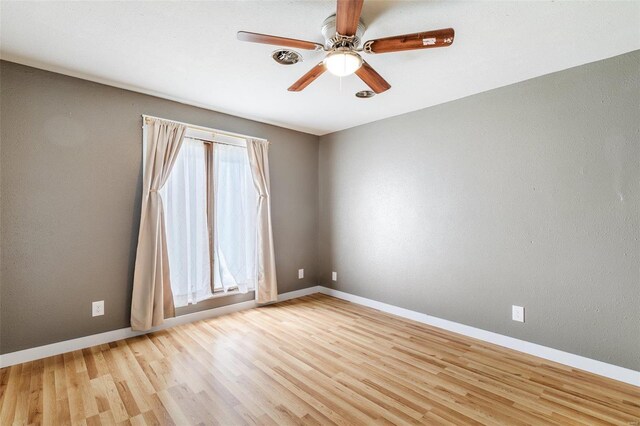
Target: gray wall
x: 70, y: 183
x: 526, y: 195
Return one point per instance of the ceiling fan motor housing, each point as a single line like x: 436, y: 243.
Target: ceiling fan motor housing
x: 334, y: 40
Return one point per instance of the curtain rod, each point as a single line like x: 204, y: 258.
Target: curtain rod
x: 216, y: 142
x: 206, y: 129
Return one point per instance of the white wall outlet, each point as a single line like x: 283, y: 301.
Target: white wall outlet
x: 97, y: 308
x: 334, y: 276
x: 517, y: 313
x: 300, y: 274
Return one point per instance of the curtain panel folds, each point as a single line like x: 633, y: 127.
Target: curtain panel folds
x: 267, y: 286
x: 184, y: 204
x: 152, y: 299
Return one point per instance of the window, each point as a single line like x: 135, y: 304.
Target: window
x: 210, y: 205
x: 235, y: 204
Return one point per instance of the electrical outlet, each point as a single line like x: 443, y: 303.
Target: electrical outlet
x: 97, y: 308
x: 300, y: 274
x: 334, y: 276
x: 517, y: 313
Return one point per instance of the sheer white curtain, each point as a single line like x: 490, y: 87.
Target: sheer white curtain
x: 234, y: 223
x: 185, y: 199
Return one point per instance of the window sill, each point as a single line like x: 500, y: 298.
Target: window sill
x: 221, y: 293
x: 217, y: 301
x: 216, y: 295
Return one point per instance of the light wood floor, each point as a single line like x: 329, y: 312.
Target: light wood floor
x: 314, y: 360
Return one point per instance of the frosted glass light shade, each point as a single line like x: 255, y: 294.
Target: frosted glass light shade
x: 342, y: 63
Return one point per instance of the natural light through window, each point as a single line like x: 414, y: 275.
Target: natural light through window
x: 210, y: 205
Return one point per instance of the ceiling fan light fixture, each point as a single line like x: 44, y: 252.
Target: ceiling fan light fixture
x: 342, y: 62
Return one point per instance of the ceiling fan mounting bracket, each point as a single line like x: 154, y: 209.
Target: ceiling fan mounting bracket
x: 334, y: 40
x: 339, y: 41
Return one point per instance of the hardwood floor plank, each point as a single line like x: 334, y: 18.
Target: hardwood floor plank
x: 316, y: 360
x: 11, y: 394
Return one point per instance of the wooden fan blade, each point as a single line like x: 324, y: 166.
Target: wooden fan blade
x: 308, y: 78
x: 278, y: 41
x: 348, y: 16
x: 425, y: 40
x: 372, y: 78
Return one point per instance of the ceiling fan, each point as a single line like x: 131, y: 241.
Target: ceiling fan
x: 343, y: 32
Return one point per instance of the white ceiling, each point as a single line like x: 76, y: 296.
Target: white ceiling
x: 187, y: 51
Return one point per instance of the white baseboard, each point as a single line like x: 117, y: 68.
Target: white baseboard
x: 57, y: 348
x: 587, y: 364
x: 593, y: 366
